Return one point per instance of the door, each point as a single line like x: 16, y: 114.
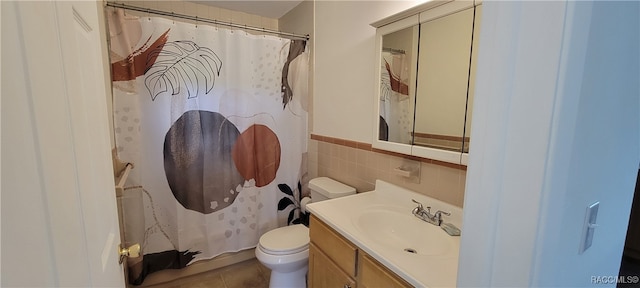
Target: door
x: 59, y: 215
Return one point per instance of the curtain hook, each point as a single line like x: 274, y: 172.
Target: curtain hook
x: 196, y: 21
x: 246, y: 32
x: 124, y: 9
x: 173, y: 18
x: 264, y: 33
x: 148, y: 14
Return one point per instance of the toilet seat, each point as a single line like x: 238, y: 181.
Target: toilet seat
x: 285, y: 240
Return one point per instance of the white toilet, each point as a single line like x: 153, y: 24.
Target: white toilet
x: 285, y: 250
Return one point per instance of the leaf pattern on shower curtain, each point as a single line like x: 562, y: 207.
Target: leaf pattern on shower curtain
x: 139, y: 61
x: 295, y: 202
x: 182, y: 65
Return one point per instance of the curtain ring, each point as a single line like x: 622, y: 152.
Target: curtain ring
x: 124, y: 9
x: 173, y: 18
x: 246, y: 32
x: 148, y: 14
x: 196, y: 21
x: 264, y: 33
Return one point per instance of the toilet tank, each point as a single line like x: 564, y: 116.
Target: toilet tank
x: 323, y: 188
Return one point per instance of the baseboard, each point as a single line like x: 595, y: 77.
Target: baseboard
x: 221, y: 261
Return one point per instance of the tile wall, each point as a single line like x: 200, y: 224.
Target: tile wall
x: 358, y: 165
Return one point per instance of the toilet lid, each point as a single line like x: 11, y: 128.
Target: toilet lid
x: 285, y: 240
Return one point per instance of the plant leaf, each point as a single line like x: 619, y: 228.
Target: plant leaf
x: 284, y: 203
x: 182, y: 65
x: 291, y: 214
x: 286, y: 189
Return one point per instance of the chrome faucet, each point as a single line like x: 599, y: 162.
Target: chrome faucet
x: 425, y: 215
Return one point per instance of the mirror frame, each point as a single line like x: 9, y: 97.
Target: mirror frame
x: 414, y: 16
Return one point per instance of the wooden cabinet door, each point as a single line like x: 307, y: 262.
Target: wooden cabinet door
x: 373, y: 274
x: 324, y: 273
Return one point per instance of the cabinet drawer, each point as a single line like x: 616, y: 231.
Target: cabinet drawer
x: 338, y: 249
x: 373, y: 274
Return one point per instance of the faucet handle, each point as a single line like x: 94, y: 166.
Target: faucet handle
x: 438, y: 216
x: 420, y: 208
x: 440, y: 212
x: 419, y: 204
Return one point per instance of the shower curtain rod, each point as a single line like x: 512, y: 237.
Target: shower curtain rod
x: 392, y: 50
x: 205, y: 20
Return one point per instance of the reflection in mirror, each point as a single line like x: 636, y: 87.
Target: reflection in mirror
x: 397, y: 85
x: 445, y: 47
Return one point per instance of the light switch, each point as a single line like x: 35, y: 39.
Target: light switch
x: 589, y: 227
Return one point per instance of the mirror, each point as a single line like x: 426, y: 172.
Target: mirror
x: 441, y: 101
x: 427, y: 67
x: 397, y: 89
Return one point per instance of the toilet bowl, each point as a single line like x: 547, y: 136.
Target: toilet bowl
x: 285, y: 250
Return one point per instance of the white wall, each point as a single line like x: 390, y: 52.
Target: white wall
x: 595, y: 144
x: 345, y: 64
x: 556, y: 128
x: 299, y: 20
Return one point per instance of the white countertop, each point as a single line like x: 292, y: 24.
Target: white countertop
x: 438, y: 270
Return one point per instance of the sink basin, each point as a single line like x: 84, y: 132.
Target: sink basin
x: 399, y: 230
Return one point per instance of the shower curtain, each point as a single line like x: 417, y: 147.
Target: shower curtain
x: 214, y: 121
x: 396, y: 122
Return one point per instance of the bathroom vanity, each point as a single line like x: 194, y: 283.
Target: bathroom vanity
x: 372, y: 239
x: 336, y: 262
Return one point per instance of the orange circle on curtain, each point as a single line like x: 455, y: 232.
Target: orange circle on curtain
x: 257, y: 154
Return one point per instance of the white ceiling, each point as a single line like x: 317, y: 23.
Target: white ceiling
x: 266, y: 8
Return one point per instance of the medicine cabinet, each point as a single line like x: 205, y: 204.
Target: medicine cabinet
x: 423, y: 105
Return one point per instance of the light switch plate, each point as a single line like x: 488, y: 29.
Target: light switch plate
x: 589, y: 227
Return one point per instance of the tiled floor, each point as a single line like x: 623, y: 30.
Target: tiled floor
x: 247, y: 274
